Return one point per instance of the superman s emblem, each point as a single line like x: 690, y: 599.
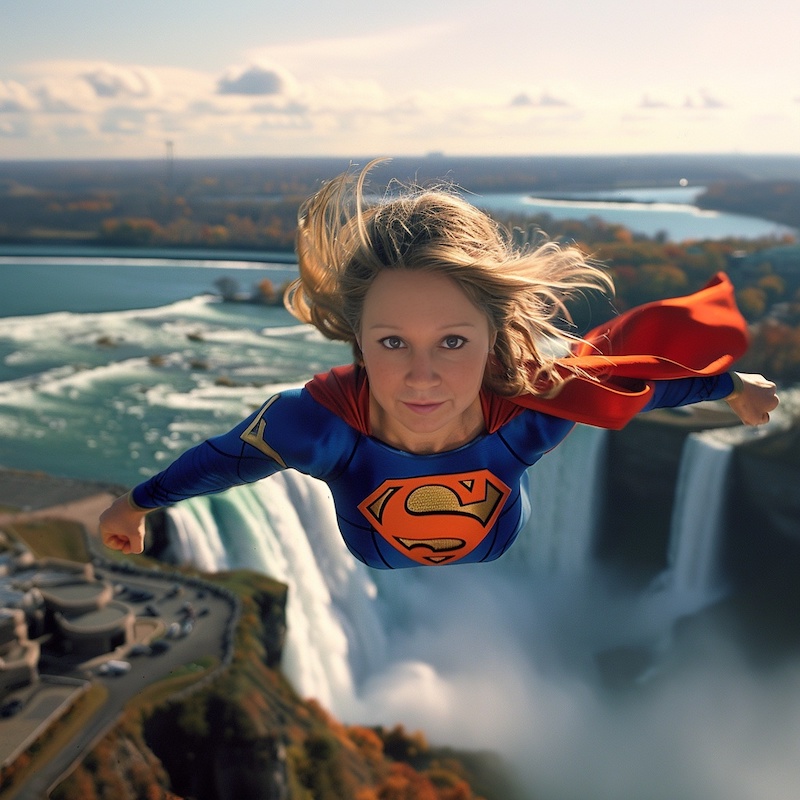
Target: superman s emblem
x: 436, y: 518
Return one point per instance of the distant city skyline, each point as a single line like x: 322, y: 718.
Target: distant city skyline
x: 91, y: 79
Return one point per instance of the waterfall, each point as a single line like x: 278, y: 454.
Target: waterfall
x: 566, y: 492
x: 285, y: 527
x: 502, y: 655
x: 698, y: 518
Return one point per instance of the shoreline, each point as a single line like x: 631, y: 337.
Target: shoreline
x: 50, y: 248
x: 25, y: 492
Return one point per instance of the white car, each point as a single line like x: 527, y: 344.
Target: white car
x: 114, y: 667
x: 174, y: 630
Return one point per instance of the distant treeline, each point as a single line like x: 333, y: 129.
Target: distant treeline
x: 252, y: 204
x: 776, y: 200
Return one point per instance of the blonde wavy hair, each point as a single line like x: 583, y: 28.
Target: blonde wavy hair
x: 343, y: 243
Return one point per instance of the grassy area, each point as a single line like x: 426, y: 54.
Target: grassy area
x: 52, y: 538
x: 245, y: 583
x: 178, y: 680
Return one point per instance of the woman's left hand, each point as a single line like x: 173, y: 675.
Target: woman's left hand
x: 754, y: 399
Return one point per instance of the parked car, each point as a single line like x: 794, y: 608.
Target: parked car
x: 174, y: 630
x: 139, y: 595
x: 11, y: 707
x: 188, y: 609
x: 114, y: 667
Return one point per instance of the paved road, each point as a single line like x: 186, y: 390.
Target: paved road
x: 206, y: 639
x: 213, y: 616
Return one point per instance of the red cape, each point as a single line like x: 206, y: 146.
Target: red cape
x: 699, y: 335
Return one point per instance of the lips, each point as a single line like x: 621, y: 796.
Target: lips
x: 423, y: 408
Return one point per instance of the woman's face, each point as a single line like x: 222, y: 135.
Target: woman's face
x: 425, y: 347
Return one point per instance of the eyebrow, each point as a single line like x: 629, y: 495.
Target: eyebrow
x: 449, y: 326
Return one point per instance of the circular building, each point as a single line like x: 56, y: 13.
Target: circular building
x: 98, y: 631
x: 77, y: 597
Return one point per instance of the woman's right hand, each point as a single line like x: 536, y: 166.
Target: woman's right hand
x: 122, y: 526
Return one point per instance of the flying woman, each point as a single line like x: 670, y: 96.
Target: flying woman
x: 464, y: 375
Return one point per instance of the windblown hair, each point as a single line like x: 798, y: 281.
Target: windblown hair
x: 343, y: 244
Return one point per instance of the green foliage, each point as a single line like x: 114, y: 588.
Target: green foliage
x: 321, y: 770
x: 402, y: 746
x: 193, y: 721
x: 752, y: 302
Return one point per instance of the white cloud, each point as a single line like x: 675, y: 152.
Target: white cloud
x: 322, y: 97
x: 343, y: 95
x: 416, y: 82
x: 64, y: 94
x: 13, y: 128
x: 16, y: 97
x: 207, y: 107
x: 253, y: 80
x: 112, y: 82
x: 544, y: 100
x: 704, y: 100
x: 125, y: 121
x: 315, y: 56
x: 648, y: 101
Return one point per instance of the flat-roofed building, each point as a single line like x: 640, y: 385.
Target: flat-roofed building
x: 98, y: 631
x: 19, y: 657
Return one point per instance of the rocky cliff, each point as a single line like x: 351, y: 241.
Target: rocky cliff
x: 642, y: 470
x: 247, y: 735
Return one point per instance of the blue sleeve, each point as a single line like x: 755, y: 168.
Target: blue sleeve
x: 289, y: 430
x: 212, y: 466
x: 683, y: 391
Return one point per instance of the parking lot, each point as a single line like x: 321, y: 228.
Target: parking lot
x: 42, y: 705
x: 162, y: 644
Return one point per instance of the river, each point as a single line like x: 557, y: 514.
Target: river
x: 667, y: 212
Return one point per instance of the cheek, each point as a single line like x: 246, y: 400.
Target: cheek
x: 479, y: 372
x: 382, y: 372
x: 467, y: 376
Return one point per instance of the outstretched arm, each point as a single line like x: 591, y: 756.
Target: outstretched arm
x: 122, y: 526
x: 753, y: 398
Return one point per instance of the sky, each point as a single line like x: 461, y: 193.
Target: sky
x: 100, y: 79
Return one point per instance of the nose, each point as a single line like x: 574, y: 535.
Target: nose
x: 421, y: 372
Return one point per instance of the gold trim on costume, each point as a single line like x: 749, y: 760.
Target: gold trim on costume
x: 254, y: 434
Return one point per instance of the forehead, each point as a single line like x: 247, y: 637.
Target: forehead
x: 404, y: 293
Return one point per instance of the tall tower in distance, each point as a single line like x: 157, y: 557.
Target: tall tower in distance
x: 170, y: 164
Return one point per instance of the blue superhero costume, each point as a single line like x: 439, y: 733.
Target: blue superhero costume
x: 394, y: 509
x: 398, y: 509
